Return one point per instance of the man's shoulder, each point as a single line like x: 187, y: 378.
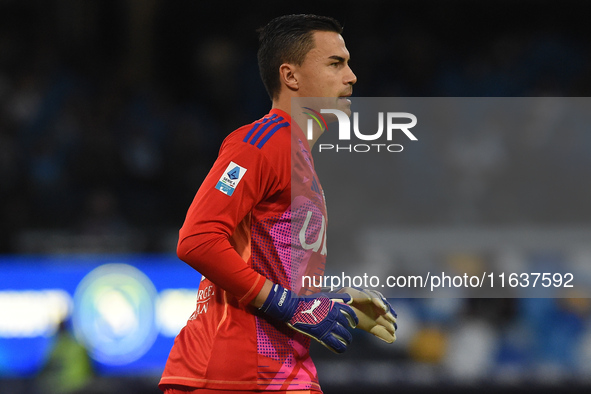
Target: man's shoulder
x: 267, y: 134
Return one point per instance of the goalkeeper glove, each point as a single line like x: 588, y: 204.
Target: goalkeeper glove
x: 373, y: 310
x: 317, y: 316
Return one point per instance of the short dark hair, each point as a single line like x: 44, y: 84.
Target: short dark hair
x: 287, y: 39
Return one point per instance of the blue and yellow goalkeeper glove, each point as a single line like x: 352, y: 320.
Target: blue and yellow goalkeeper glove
x: 317, y: 316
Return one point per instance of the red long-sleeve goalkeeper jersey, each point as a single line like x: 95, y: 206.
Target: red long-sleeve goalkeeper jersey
x: 260, y: 213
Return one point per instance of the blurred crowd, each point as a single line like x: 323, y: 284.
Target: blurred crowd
x: 112, y: 112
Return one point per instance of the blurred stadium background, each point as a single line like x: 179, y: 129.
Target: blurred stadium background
x: 112, y: 112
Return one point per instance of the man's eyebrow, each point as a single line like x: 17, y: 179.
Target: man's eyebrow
x: 338, y: 58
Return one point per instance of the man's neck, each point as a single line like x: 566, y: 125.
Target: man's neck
x: 284, y: 104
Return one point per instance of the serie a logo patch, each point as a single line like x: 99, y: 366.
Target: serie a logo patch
x: 230, y: 178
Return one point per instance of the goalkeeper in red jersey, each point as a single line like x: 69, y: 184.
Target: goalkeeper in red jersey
x: 257, y: 225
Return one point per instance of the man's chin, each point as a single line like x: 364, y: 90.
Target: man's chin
x: 344, y: 104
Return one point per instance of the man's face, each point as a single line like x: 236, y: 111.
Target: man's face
x: 325, y: 72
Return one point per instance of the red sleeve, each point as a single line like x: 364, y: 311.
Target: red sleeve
x: 217, y: 211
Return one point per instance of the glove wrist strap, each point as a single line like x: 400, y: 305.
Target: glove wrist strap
x: 280, y: 303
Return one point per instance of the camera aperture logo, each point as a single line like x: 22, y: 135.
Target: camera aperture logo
x: 392, y: 122
x: 317, y: 117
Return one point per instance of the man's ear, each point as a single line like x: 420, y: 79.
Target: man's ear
x: 287, y: 76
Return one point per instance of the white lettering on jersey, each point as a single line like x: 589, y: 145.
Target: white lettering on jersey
x: 203, y: 298
x: 320, y: 241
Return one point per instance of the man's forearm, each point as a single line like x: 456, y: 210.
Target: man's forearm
x: 258, y: 301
